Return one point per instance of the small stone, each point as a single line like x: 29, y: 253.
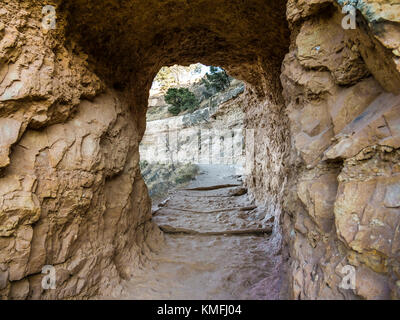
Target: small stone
x: 3, y: 279
x: 392, y: 198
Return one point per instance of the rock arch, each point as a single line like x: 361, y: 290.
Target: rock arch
x: 72, y: 113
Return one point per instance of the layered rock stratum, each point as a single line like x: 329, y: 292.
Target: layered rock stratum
x: 211, y: 134
x: 323, y: 101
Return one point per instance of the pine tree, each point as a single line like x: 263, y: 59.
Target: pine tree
x: 217, y: 79
x: 181, y: 99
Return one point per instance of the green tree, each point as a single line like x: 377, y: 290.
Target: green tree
x: 181, y: 99
x: 217, y: 79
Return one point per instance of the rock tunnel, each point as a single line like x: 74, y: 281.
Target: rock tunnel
x: 323, y: 101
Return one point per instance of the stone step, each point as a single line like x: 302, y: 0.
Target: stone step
x: 212, y: 211
x: 214, y: 187
x: 176, y: 230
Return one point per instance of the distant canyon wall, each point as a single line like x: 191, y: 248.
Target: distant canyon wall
x: 213, y: 134
x: 323, y: 103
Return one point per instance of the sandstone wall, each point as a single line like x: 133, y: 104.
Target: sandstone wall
x: 72, y: 113
x: 341, y: 89
x: 69, y: 168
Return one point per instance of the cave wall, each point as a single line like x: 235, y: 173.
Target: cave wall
x: 323, y: 107
x: 71, y: 192
x: 341, y: 90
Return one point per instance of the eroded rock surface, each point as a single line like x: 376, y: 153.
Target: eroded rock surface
x: 344, y: 126
x: 72, y: 113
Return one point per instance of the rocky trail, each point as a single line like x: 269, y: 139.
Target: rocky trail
x: 217, y: 244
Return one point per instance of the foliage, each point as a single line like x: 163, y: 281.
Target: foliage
x: 181, y: 99
x: 217, y: 79
x: 174, y: 110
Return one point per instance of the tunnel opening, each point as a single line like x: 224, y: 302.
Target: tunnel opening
x: 260, y: 70
x: 116, y: 60
x: 194, y: 160
x: 322, y: 101
x: 194, y: 118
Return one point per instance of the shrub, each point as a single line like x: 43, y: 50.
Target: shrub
x: 181, y: 99
x: 174, y: 110
x: 217, y: 79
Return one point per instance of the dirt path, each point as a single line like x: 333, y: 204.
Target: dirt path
x: 217, y: 245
